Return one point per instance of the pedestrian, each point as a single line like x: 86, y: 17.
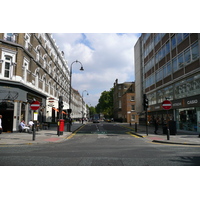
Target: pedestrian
x: 24, y: 127
x: 1, y: 128
x: 156, y: 123
x: 31, y: 123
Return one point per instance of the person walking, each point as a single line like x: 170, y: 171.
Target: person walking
x: 1, y: 128
x: 156, y: 123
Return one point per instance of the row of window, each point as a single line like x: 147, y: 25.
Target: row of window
x: 181, y: 89
x: 165, y: 49
x: 175, y: 40
x: 153, y: 43
x: 183, y: 59
x: 12, y: 37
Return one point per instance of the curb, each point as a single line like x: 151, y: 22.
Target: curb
x: 179, y: 143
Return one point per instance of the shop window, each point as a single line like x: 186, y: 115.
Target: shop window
x: 187, y: 119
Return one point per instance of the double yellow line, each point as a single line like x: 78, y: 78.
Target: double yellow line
x: 73, y: 134
x: 133, y: 135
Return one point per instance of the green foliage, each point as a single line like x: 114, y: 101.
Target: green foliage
x: 105, y: 105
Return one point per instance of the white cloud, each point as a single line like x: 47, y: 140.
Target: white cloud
x: 105, y: 57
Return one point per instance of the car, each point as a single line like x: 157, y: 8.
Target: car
x: 95, y: 121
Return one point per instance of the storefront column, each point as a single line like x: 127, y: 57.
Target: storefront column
x: 15, y: 124
x: 26, y: 113
x: 20, y: 111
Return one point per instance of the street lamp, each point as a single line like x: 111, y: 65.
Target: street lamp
x: 70, y: 90
x: 82, y: 104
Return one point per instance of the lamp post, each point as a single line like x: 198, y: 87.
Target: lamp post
x: 82, y: 104
x: 70, y: 90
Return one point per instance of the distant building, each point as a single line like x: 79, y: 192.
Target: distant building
x: 124, y: 102
x: 167, y: 65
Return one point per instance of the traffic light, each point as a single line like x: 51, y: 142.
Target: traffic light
x: 60, y: 103
x: 145, y: 102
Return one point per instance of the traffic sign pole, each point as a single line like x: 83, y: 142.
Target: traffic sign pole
x: 167, y: 105
x: 35, y: 105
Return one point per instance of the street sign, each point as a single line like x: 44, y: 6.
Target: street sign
x: 167, y: 105
x: 35, y: 105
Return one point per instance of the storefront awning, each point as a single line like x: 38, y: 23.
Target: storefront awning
x: 58, y: 111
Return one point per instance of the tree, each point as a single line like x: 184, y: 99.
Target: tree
x: 105, y: 105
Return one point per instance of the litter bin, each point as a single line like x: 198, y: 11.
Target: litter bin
x: 172, y: 127
x: 165, y: 129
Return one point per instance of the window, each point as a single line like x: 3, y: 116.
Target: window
x: 180, y: 61
x: 37, y: 80
x: 44, y: 84
x: 132, y: 117
x: 27, y: 40
x: 25, y: 67
x: 157, y: 38
x: 132, y: 107
x: 7, y: 70
x: 185, y: 35
x: 167, y: 48
x: 179, y: 38
x: 173, y: 41
x: 120, y: 104
x: 159, y: 75
x: 132, y: 98
x: 195, y: 51
x: 9, y: 37
x: 187, y: 56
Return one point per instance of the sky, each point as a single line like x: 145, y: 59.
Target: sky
x: 105, y: 57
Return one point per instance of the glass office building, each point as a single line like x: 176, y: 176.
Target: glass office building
x: 167, y: 65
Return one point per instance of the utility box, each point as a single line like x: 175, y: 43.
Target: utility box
x: 172, y: 127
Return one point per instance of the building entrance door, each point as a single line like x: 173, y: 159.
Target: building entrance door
x: 7, y: 111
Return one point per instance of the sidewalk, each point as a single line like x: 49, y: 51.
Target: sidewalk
x: 182, y: 137
x: 41, y: 136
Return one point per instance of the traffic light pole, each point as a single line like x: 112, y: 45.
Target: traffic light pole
x: 146, y: 105
x: 60, y: 106
x: 146, y: 121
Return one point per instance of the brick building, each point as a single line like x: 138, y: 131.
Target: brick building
x: 32, y: 67
x: 124, y: 102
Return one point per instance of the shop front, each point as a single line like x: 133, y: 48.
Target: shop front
x: 188, y: 114
x: 15, y: 106
x: 185, y: 111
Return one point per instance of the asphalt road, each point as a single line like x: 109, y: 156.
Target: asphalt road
x: 103, y: 144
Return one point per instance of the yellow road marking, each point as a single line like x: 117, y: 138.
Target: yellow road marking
x: 73, y: 134
x: 133, y: 135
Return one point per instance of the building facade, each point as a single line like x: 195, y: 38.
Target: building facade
x: 32, y: 67
x: 124, y: 102
x: 167, y: 66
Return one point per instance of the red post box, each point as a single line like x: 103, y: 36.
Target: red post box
x: 62, y: 125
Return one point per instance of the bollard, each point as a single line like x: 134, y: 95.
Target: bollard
x: 135, y: 126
